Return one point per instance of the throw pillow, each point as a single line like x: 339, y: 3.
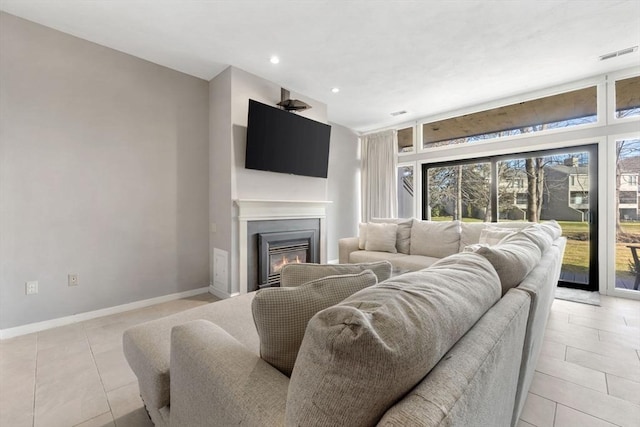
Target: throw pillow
x: 281, y: 314
x: 362, y: 355
x: 493, y: 235
x: 403, y: 235
x: 299, y: 274
x: 362, y: 235
x: 435, y: 239
x: 381, y: 237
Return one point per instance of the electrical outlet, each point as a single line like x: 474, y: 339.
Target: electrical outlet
x: 31, y: 288
x: 73, y: 279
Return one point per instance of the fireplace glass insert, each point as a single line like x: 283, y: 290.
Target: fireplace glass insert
x: 281, y: 248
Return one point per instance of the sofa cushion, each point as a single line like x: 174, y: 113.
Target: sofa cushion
x: 403, y: 234
x: 470, y: 231
x: 552, y: 228
x: 435, y: 239
x: 281, y: 314
x: 492, y: 235
x: 147, y: 345
x: 412, y: 263
x: 299, y: 274
x: 381, y: 237
x: 536, y: 233
x: 359, y: 357
x: 513, y: 260
x: 362, y: 235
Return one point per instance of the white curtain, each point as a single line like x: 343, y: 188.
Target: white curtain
x: 379, y: 175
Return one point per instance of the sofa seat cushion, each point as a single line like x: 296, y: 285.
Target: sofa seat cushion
x: 281, y: 314
x: 359, y: 357
x: 435, y: 239
x: 372, y: 256
x: 299, y: 274
x: 147, y: 346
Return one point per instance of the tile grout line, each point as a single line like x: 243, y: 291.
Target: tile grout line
x: 93, y: 357
x: 572, y: 408
x: 35, y: 383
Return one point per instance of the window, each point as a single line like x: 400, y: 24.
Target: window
x: 558, y: 111
x: 579, y: 198
x: 405, y: 191
x: 629, y: 198
x: 405, y: 140
x: 627, y: 230
x: 460, y: 191
x: 628, y: 97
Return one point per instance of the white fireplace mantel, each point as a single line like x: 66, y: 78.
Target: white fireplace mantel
x: 263, y: 210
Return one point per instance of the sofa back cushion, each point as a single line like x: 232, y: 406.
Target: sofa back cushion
x: 470, y: 231
x: 512, y: 259
x: 493, y: 235
x: 281, y: 314
x: 434, y: 238
x: 299, y: 274
x: 359, y: 357
x: 534, y: 232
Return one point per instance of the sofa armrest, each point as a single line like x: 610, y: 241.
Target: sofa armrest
x: 345, y: 247
x: 217, y: 381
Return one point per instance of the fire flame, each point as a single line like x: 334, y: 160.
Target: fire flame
x: 277, y: 266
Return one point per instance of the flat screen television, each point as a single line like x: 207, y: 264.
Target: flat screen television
x: 281, y: 141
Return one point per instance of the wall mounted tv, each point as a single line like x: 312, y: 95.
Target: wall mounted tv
x: 281, y: 141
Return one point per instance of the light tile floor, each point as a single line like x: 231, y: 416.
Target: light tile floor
x: 588, y: 373
x: 77, y: 375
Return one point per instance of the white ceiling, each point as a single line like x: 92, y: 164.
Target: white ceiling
x: 425, y: 57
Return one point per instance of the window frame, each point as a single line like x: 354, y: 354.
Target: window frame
x: 601, y: 90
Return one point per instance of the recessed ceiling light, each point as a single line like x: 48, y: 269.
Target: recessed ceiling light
x: 399, y: 113
x: 274, y: 60
x: 335, y: 90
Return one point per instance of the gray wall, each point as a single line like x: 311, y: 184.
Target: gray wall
x: 220, y: 202
x: 104, y: 169
x: 343, y: 188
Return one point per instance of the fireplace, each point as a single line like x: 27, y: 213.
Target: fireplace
x: 272, y: 243
x: 281, y: 248
x: 273, y: 216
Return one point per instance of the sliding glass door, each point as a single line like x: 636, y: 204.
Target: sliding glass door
x: 544, y: 185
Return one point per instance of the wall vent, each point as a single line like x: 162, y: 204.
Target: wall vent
x: 618, y: 53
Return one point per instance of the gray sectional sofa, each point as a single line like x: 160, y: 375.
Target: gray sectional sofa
x: 452, y: 344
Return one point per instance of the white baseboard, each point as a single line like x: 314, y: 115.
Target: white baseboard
x: 75, y: 318
x: 333, y: 261
x: 221, y: 294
